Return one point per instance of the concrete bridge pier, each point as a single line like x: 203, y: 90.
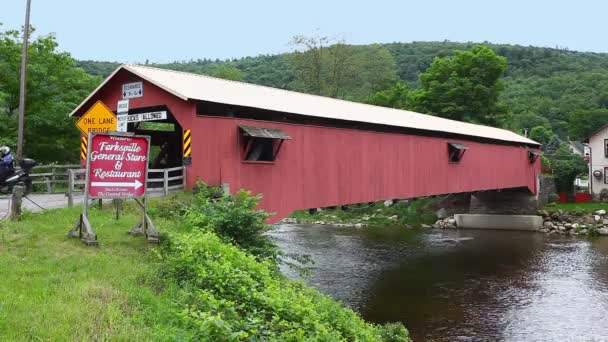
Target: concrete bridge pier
x: 513, y: 209
x: 504, y: 202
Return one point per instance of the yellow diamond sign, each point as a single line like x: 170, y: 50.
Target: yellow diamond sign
x: 97, y: 119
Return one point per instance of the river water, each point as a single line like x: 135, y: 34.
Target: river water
x: 461, y: 285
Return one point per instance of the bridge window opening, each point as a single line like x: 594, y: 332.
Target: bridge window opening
x: 606, y: 148
x: 532, y: 156
x: 605, y: 175
x: 456, y: 151
x: 262, y: 144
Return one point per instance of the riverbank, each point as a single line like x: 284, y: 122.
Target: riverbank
x: 409, y: 214
x: 195, y: 286
x: 584, y: 219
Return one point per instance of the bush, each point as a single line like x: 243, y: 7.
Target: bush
x: 553, y: 198
x: 170, y: 208
x: 235, y: 219
x: 228, y: 295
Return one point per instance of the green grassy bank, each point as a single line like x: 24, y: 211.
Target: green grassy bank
x: 574, y: 207
x: 54, y: 288
x: 414, y: 213
x: 195, y: 286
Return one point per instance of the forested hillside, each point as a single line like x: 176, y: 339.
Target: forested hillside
x: 543, y: 87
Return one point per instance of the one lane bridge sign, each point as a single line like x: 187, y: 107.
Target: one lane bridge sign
x: 98, y: 119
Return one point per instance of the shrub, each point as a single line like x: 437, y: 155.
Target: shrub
x: 170, y: 208
x: 553, y: 198
x: 228, y: 295
x: 235, y: 219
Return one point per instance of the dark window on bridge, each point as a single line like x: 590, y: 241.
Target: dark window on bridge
x: 605, y: 176
x: 456, y: 151
x: 606, y: 148
x: 261, y: 144
x: 532, y: 156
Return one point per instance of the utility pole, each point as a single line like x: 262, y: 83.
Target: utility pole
x: 26, y: 37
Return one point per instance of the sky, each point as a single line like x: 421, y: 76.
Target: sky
x: 131, y: 31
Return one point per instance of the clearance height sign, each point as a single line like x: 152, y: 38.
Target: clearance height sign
x: 117, y: 165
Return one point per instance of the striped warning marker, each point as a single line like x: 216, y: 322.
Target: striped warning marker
x: 187, y: 143
x: 83, y: 148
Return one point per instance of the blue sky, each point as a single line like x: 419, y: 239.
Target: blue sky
x: 162, y: 31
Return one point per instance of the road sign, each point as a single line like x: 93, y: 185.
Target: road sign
x: 131, y: 90
x: 150, y: 116
x: 122, y: 107
x: 187, y: 147
x: 98, y: 119
x: 83, y: 148
x: 122, y: 110
x: 118, y: 165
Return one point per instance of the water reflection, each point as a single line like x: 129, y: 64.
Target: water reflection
x: 462, y: 285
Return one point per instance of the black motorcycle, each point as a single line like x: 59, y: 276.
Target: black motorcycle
x: 19, y: 176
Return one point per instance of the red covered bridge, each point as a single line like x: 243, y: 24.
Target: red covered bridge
x: 305, y: 151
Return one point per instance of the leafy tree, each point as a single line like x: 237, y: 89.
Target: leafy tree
x: 522, y: 121
x: 54, y: 87
x: 328, y: 67
x: 552, y: 146
x: 584, y: 122
x: 541, y: 134
x: 462, y: 87
x: 566, y: 167
x: 226, y: 72
x: 394, y: 97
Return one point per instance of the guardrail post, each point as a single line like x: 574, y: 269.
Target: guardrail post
x: 16, y: 202
x: 53, y: 180
x: 70, y: 192
x: 166, y: 181
x: 184, y: 177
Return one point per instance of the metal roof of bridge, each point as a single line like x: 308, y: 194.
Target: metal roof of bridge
x: 189, y: 86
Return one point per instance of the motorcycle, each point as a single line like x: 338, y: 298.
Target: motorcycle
x: 19, y: 176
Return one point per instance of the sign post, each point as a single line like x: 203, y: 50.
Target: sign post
x: 116, y: 168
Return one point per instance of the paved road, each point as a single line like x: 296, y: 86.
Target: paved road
x: 49, y: 201
x: 46, y: 201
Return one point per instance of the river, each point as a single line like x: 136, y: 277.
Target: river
x: 461, y: 285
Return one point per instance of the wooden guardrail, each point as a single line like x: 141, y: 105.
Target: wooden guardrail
x: 159, y: 180
x: 51, y: 175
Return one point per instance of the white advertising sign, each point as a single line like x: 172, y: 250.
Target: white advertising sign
x: 131, y: 90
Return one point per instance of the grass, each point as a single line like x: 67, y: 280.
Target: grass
x: 582, y: 207
x: 414, y: 213
x: 55, y: 288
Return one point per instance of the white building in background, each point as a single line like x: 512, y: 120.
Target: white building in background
x: 598, y: 161
x: 579, y: 148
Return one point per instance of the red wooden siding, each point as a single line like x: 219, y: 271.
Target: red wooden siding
x: 327, y: 166
x: 324, y: 166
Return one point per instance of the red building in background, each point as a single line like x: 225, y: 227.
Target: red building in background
x: 304, y: 151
